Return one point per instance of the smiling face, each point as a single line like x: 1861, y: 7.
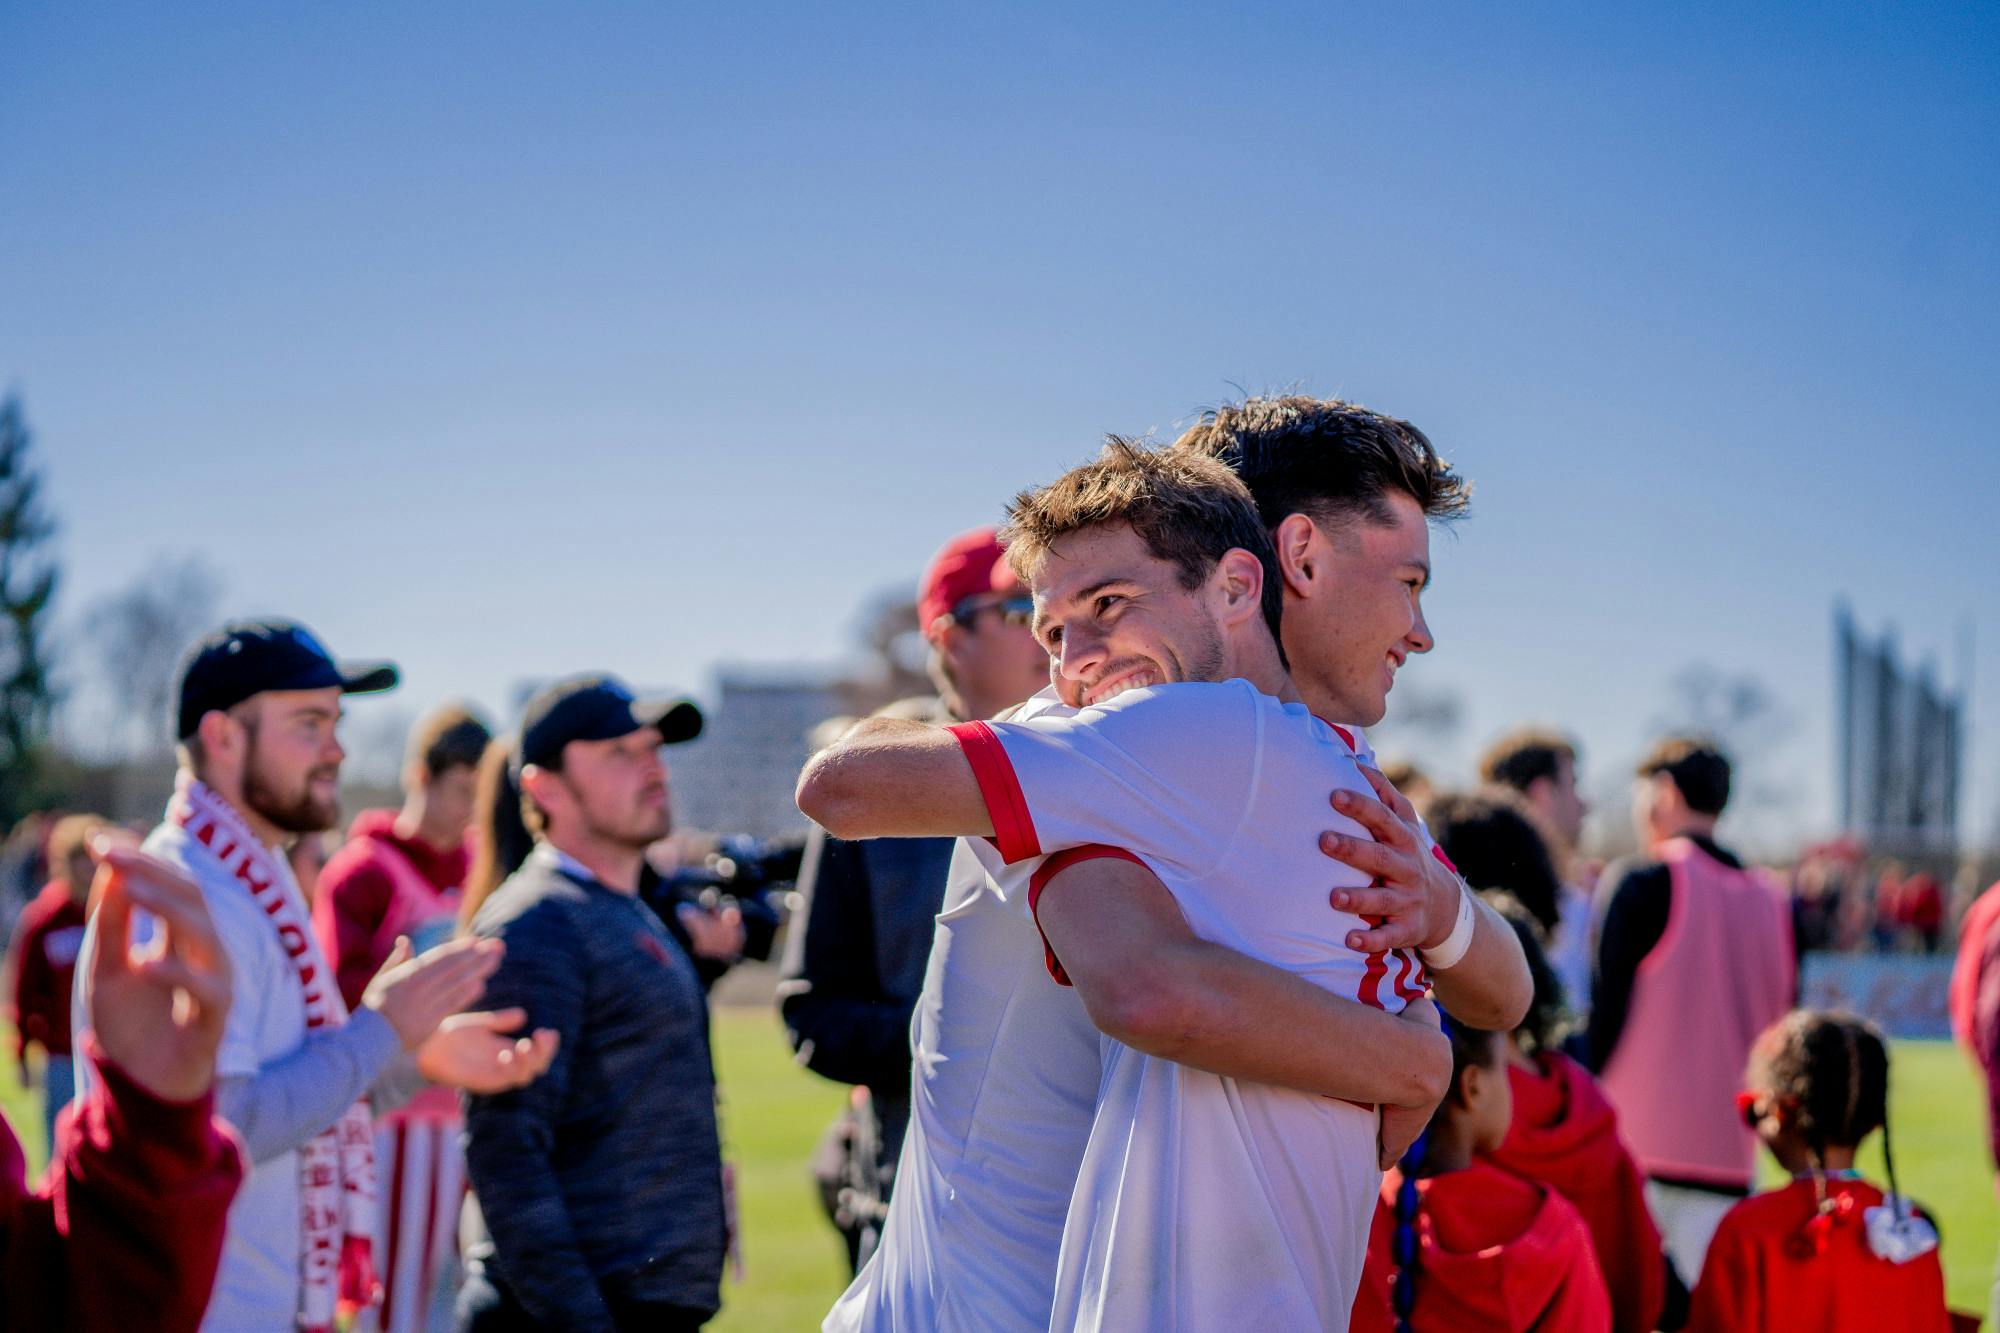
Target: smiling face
x: 1354, y: 606
x: 1115, y: 617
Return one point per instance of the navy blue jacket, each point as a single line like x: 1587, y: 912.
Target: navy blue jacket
x: 603, y: 1178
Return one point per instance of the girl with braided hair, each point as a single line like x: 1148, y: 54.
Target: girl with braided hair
x: 1828, y: 1251
x: 1459, y: 1244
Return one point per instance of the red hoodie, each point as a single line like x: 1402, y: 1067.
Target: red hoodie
x: 46, y: 939
x: 1495, y: 1254
x: 1565, y: 1135
x: 356, y: 912
x: 1975, y: 999
x: 1768, y: 1270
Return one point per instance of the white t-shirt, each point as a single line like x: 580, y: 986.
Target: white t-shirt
x: 257, y: 1286
x: 1194, y: 779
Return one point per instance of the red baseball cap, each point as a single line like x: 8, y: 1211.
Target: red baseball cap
x: 970, y: 564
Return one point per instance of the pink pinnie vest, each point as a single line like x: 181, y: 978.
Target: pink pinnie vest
x: 1722, y: 972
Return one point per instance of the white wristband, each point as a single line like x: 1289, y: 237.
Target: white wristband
x: 1455, y: 944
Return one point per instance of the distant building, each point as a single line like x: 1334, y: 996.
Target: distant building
x: 739, y: 775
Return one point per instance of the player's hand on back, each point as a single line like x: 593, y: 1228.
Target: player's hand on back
x: 477, y: 1053
x: 1414, y: 894
x: 156, y: 1008
x: 417, y: 994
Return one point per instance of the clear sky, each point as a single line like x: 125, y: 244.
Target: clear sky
x: 513, y: 339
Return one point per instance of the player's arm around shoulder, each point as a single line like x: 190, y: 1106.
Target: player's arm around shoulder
x: 891, y: 778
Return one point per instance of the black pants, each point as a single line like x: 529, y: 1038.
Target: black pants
x: 485, y: 1306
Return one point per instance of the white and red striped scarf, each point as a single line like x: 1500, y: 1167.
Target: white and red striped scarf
x: 336, y: 1166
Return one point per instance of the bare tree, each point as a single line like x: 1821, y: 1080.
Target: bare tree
x: 27, y: 593
x: 1739, y: 712
x: 137, y: 637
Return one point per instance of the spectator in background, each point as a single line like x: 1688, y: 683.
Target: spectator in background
x: 1540, y: 765
x: 399, y: 875
x: 128, y: 1228
x: 600, y: 1197
x: 260, y: 763
x: 1564, y: 1134
x: 1493, y: 840
x: 1695, y: 958
x: 1975, y: 1013
x: 854, y: 964
x: 46, y: 940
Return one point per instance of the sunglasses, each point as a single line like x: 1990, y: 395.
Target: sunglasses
x: 1017, y: 611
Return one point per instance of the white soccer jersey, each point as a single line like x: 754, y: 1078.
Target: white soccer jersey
x: 1005, y: 1077
x: 1203, y: 1202
x: 1007, y: 1065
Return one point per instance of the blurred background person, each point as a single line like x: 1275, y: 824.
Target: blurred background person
x: 259, y: 763
x: 1495, y: 842
x: 42, y: 962
x: 600, y: 1201
x: 127, y: 1228
x: 854, y: 966
x: 1539, y: 765
x: 1695, y: 958
x: 400, y: 874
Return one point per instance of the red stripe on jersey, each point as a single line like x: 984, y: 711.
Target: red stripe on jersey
x: 1371, y: 975
x: 1442, y: 859
x: 1013, y: 827
x: 1048, y: 870
x: 1343, y: 733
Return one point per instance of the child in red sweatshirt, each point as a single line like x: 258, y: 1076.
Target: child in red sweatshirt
x: 1459, y: 1244
x: 1564, y: 1134
x: 1828, y: 1251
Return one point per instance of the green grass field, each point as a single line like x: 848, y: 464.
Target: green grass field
x: 774, y: 1112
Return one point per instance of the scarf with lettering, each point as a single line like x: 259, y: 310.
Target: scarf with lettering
x: 336, y: 1166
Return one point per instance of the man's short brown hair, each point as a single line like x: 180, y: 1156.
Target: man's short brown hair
x: 1330, y: 460
x: 1189, y: 510
x: 449, y: 736
x: 1698, y: 768
x: 1520, y: 758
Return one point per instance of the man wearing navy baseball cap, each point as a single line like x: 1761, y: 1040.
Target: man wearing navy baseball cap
x: 600, y: 1186
x: 260, y: 702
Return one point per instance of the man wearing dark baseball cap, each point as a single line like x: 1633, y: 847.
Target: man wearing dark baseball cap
x: 600, y: 1188
x: 259, y: 703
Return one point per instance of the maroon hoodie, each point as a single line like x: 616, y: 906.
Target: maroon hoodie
x: 1565, y: 1135
x: 126, y: 1232
x: 355, y: 910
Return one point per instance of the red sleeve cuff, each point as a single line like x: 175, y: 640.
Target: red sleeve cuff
x: 1047, y: 871
x: 1013, y: 827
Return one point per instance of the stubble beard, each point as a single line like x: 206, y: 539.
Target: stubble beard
x: 297, y: 811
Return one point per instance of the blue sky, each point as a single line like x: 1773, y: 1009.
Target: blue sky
x: 512, y: 339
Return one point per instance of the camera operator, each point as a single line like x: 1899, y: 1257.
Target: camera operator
x: 727, y: 908
x: 854, y: 967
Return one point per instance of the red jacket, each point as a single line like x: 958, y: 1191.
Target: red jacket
x: 1565, y: 1135
x: 1975, y: 999
x: 1495, y: 1254
x: 46, y: 939
x: 354, y: 907
x: 1767, y: 1271
x: 127, y: 1230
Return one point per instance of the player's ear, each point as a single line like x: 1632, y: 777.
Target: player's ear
x: 1294, y: 542
x: 1240, y: 578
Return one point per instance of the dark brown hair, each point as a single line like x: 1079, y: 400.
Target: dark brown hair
x: 504, y: 824
x: 1491, y: 837
x: 1330, y: 460
x: 1697, y: 767
x: 1190, y: 511
x: 449, y: 736
x: 1521, y: 758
